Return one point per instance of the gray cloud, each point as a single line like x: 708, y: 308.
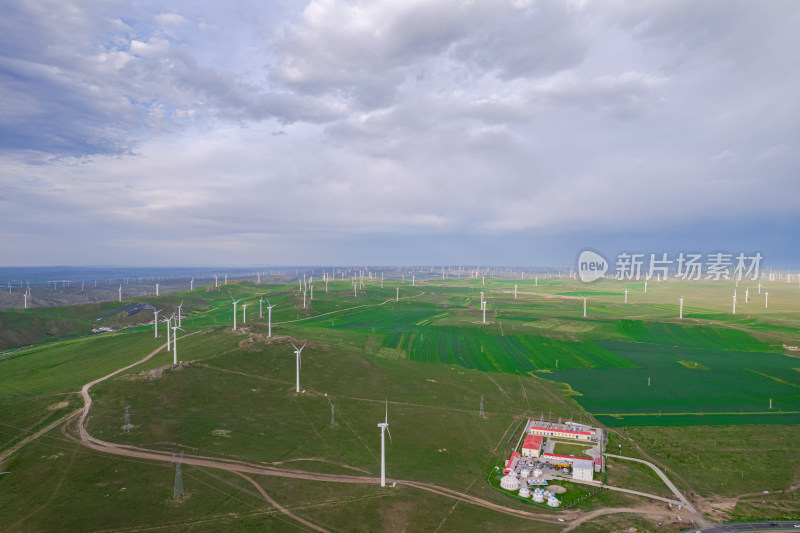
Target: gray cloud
x: 256, y: 128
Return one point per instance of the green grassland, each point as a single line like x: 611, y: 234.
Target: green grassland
x: 432, y: 359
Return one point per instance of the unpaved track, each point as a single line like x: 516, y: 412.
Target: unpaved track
x: 26, y: 440
x: 279, y: 507
x: 678, y: 494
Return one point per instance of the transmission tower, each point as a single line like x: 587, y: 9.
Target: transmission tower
x: 333, y: 408
x: 178, y: 492
x: 481, y: 406
x: 127, y: 426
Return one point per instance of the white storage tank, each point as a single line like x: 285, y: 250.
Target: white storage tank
x: 509, y: 483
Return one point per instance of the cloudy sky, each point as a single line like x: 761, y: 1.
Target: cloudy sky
x: 383, y: 132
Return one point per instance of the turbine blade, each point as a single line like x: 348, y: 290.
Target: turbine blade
x: 293, y: 346
x: 390, y: 434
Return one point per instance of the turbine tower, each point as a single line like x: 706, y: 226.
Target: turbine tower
x: 680, y: 312
x: 175, y: 344
x: 235, y: 303
x: 297, y: 353
x: 269, y: 319
x: 180, y: 312
x: 169, y: 341
x: 155, y: 320
x: 384, y: 429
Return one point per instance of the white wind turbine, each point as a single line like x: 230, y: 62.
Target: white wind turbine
x: 169, y: 322
x: 244, y: 313
x: 175, y: 344
x: 180, y: 312
x: 269, y: 319
x: 119, y: 294
x: 297, y: 353
x: 235, y: 303
x: 260, y: 306
x: 155, y: 320
x: 384, y: 429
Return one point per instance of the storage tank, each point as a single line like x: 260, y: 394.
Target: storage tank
x: 509, y: 483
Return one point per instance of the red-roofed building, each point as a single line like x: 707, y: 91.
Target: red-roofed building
x: 532, y: 446
x: 512, y: 462
x: 598, y: 464
x: 560, y: 433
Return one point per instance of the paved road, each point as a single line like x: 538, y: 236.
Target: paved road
x: 678, y: 494
x: 782, y: 525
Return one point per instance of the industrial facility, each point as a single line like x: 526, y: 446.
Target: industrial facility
x: 548, y: 451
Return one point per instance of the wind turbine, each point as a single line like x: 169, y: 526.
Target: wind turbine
x: 156, y: 289
x: 483, y: 306
x: 584, y: 306
x: 734, y: 303
x: 680, y: 313
x: 260, y: 305
x: 766, y: 299
x: 155, y: 320
x: 244, y: 313
x: 180, y: 312
x: 235, y: 303
x: 626, y: 295
x: 175, y: 344
x: 169, y: 321
x: 269, y: 319
x: 384, y: 429
x: 191, y: 284
x: 119, y: 294
x: 297, y: 353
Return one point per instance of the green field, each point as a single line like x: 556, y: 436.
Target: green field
x: 432, y: 359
